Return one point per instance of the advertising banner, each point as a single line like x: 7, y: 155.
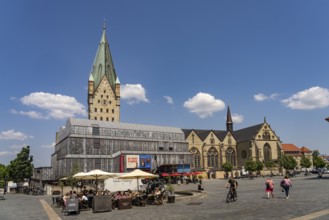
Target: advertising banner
x: 145, y: 161
x: 132, y: 161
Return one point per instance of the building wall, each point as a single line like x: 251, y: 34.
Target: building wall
x: 105, y: 105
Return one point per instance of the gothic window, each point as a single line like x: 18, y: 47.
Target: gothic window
x: 230, y: 156
x: 266, y: 135
x: 212, y: 157
x: 267, y: 153
x: 196, y: 158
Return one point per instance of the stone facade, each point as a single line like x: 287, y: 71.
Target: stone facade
x: 210, y: 149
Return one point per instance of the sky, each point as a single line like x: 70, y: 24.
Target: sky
x: 180, y: 64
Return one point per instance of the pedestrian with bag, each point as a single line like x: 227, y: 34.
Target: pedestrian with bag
x: 286, y: 184
x: 269, y: 188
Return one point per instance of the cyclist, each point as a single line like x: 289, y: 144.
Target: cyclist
x: 232, y: 183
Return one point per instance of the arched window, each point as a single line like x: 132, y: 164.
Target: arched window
x: 212, y: 157
x: 230, y: 156
x: 267, y: 153
x: 196, y: 157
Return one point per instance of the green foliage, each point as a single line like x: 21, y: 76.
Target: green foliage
x: 250, y: 165
x: 270, y: 164
x: 259, y: 165
x: 319, y: 162
x: 315, y: 154
x: 305, y: 162
x: 3, y: 175
x: 288, y: 162
x: 227, y: 167
x: 170, y: 188
x: 21, y: 167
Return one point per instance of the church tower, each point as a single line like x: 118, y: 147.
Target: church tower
x: 229, y: 122
x: 103, y: 85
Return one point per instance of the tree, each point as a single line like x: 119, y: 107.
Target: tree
x: 288, y: 162
x: 259, y: 165
x: 319, y: 162
x: 3, y: 175
x: 227, y: 167
x: 21, y: 167
x: 250, y: 166
x: 270, y: 164
x: 305, y: 162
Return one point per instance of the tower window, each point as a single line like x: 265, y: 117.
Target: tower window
x: 95, y: 118
x: 112, y: 110
x: 95, y: 110
x: 101, y: 110
x: 101, y: 96
x: 104, y: 91
x: 99, y: 101
x: 101, y: 118
x: 112, y: 119
x: 107, y: 118
x: 107, y: 96
x: 107, y: 110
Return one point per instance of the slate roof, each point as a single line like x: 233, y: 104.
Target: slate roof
x: 247, y: 133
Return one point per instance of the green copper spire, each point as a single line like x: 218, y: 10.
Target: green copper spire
x: 103, y: 64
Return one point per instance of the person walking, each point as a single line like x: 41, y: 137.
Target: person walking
x: 269, y: 188
x: 286, y: 185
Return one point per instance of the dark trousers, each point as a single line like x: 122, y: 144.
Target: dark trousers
x: 286, y: 189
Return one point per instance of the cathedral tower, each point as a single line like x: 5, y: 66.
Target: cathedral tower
x: 229, y: 122
x: 103, y: 85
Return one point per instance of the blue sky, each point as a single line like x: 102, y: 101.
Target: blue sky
x: 180, y: 63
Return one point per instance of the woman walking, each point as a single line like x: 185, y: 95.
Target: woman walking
x: 269, y: 188
x: 286, y: 185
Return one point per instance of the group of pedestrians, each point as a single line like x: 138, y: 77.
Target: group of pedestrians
x: 285, y: 185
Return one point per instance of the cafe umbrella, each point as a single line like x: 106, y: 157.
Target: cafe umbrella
x: 138, y: 174
x: 94, y: 175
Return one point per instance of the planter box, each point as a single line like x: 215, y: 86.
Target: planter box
x: 171, y: 199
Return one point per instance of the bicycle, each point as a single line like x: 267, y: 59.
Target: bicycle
x: 231, y: 195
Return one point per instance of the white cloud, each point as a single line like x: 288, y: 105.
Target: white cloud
x: 262, y: 97
x: 133, y: 93
x: 52, y: 145
x: 312, y: 98
x: 169, y: 99
x: 5, y: 153
x: 236, y: 118
x: 12, y: 135
x: 55, y: 106
x: 204, y: 105
x: 31, y: 114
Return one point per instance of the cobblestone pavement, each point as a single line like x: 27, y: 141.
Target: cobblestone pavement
x: 308, y: 200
